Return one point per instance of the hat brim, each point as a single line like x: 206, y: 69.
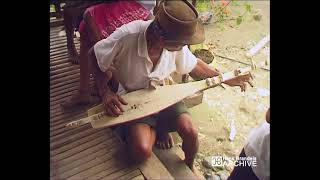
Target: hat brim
x: 197, y: 38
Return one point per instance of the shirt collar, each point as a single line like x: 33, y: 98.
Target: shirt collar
x: 142, y: 43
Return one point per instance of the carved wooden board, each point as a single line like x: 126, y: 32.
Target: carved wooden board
x: 142, y: 103
x: 145, y: 102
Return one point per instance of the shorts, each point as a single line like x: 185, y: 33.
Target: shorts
x: 164, y: 121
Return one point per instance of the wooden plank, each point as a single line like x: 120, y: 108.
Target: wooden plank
x: 84, y: 170
x: 112, y: 167
x: 131, y: 174
x: 60, y: 66
x: 140, y: 177
x: 65, y: 69
x: 59, y: 45
x: 63, y: 111
x: 64, y: 65
x: 56, y: 104
x: 60, y: 61
x: 85, y: 153
x: 55, y: 29
x: 63, y: 96
x: 78, y: 142
x: 60, y: 117
x: 54, y: 60
x: 84, y: 160
x: 65, y: 72
x: 55, y: 23
x: 55, y: 144
x: 176, y: 166
x: 95, y: 99
x: 58, y: 39
x: 57, y: 109
x: 152, y: 168
x: 65, y: 90
x: 118, y: 160
x: 65, y: 116
x: 63, y: 41
x: 55, y: 34
x: 62, y: 133
x: 121, y: 172
x: 63, y: 79
x: 60, y: 86
x: 78, y: 149
x: 73, y: 84
x: 58, y: 52
x: 69, y: 81
x: 55, y: 55
x: 72, y: 88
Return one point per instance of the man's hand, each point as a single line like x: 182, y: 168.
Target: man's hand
x: 112, y: 103
x: 241, y: 81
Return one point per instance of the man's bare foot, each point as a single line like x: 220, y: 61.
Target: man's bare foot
x: 197, y: 173
x: 76, y: 99
x: 190, y: 165
x: 164, y: 141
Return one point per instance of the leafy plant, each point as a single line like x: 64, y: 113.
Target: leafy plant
x: 221, y: 10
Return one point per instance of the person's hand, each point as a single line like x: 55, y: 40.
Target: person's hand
x: 241, y: 81
x: 112, y: 104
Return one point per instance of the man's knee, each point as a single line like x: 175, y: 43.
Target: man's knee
x: 141, y: 151
x: 185, y: 127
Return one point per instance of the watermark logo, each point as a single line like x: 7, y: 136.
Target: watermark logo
x: 236, y: 161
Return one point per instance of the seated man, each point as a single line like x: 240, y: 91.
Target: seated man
x: 258, y: 146
x: 145, y: 51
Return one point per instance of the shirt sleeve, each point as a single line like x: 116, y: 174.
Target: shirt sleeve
x: 185, y: 61
x: 107, y: 50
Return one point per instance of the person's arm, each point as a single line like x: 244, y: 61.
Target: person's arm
x: 92, y: 28
x: 111, y: 101
x: 203, y: 70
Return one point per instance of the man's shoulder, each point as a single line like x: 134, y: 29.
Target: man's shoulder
x: 131, y: 29
x: 136, y: 26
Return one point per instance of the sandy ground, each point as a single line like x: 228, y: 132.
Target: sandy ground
x: 220, y: 107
